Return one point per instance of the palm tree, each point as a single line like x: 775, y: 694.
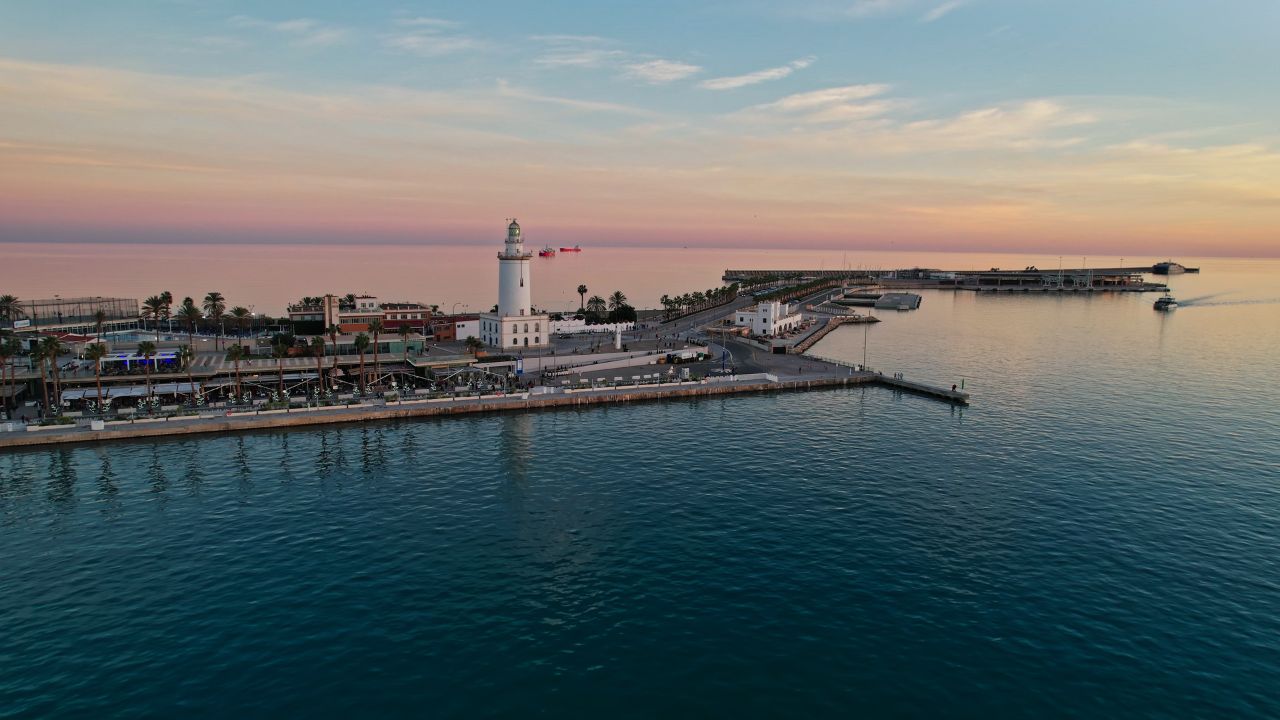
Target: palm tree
x: 375, y: 327
x: 333, y: 331
x: 582, y: 297
x: 474, y: 344
x: 280, y: 351
x: 362, y: 344
x: 190, y: 316
x: 147, y: 349
x: 41, y: 355
x: 187, y: 356
x: 403, y: 331
x: 617, y: 300
x: 317, y: 349
x: 96, y: 352
x: 153, y: 309
x: 214, y: 307
x: 242, y: 317
x: 235, y: 355
x: 53, y: 349
x: 166, y: 309
x: 597, y: 305
x: 99, y: 319
x: 10, y: 309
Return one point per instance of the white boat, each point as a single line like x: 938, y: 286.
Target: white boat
x: 1165, y: 303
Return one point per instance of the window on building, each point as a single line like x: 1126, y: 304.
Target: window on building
x: 536, y: 340
x: 537, y: 327
x: 526, y: 327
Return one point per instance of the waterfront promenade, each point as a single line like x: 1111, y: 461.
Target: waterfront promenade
x: 540, y: 398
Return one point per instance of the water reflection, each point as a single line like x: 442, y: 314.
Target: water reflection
x: 156, y: 476
x: 108, y: 486
x: 515, y: 446
x: 62, y: 477
x: 243, y: 472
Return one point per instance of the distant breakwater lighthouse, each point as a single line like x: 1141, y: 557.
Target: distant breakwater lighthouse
x: 514, y: 326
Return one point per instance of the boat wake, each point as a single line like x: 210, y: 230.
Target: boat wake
x: 1202, y: 297
x: 1223, y: 303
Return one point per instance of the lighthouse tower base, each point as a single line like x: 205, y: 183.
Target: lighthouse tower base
x: 513, y: 333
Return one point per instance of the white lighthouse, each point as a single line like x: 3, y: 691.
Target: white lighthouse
x: 514, y: 326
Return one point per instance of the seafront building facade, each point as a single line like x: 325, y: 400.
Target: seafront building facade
x: 768, y: 319
x: 514, y: 325
x: 354, y: 313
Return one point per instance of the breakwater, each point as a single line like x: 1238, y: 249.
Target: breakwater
x: 421, y: 408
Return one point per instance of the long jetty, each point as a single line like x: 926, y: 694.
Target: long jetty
x: 880, y: 273
x: 448, y: 407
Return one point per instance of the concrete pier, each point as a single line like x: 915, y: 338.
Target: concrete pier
x: 440, y: 407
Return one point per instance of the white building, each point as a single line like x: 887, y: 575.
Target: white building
x: 514, y: 326
x: 768, y: 319
x: 580, y: 326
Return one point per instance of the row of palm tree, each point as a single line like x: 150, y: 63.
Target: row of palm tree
x: 699, y: 300
x: 213, y: 308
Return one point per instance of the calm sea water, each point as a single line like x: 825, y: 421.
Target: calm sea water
x: 1097, y: 536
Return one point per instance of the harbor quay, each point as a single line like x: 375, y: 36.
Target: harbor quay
x: 646, y: 388
x: 88, y: 369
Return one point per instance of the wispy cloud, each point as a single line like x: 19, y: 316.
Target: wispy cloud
x: 938, y: 12
x: 826, y: 97
x: 431, y: 44
x: 577, y: 51
x: 430, y: 22
x: 506, y: 90
x: 658, y: 72
x: 430, y: 37
x: 867, y: 8
x: 776, y: 73
x: 304, y: 32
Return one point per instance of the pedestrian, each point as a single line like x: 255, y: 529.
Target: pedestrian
x: 953, y: 387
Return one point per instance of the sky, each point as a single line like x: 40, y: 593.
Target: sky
x: 1089, y: 126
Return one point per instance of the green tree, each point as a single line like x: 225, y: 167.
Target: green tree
x: 617, y: 300
x: 54, y: 349
x: 187, y: 356
x: 242, y: 318
x: 147, y: 350
x: 99, y: 319
x: 474, y: 344
x: 317, y: 349
x: 280, y: 351
x: 166, y: 305
x: 153, y: 309
x: 333, y: 331
x: 362, y: 344
x: 403, y: 331
x: 582, y: 297
x: 376, y: 328
x: 11, y: 308
x: 597, y: 306
x: 41, y: 355
x: 215, y: 306
x: 96, y: 352
x: 235, y: 355
x: 190, y: 316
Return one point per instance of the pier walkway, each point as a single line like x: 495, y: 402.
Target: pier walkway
x: 548, y: 398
